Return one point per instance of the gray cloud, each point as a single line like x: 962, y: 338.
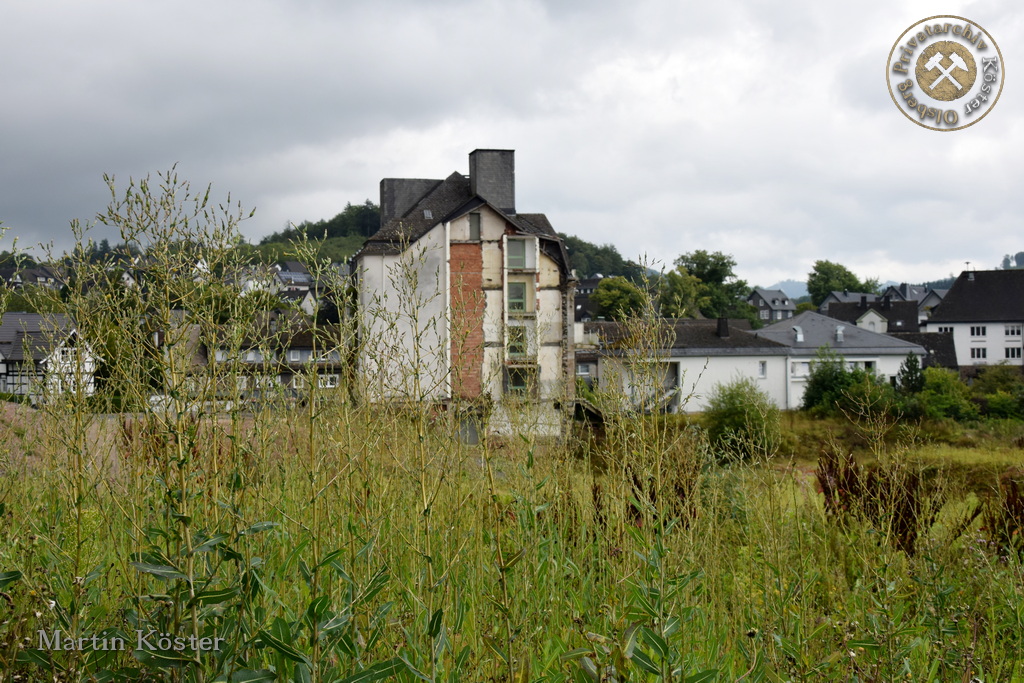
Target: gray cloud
x: 759, y: 129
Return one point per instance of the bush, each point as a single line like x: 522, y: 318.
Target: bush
x: 742, y: 421
x: 944, y: 395
x: 834, y: 388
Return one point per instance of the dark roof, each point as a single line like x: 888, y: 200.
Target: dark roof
x: 901, y: 315
x: 941, y: 352
x: 983, y: 296
x: 40, y: 333
x: 686, y: 337
x: 776, y: 298
x: 445, y: 200
x: 846, y: 295
x: 820, y: 330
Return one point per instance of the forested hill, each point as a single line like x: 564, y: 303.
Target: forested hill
x: 344, y: 234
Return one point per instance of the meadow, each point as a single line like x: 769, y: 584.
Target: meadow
x: 331, y: 539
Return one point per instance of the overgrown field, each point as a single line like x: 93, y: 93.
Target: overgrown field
x: 318, y: 537
x: 339, y: 543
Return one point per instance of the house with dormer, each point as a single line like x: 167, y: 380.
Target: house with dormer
x: 881, y: 315
x: 771, y: 304
x: 462, y: 298
x: 808, y: 332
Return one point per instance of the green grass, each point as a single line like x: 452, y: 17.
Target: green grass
x: 329, y: 565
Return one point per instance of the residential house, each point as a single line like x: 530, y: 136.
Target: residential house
x: 881, y: 315
x: 844, y: 296
x: 771, y: 304
x: 926, y: 298
x: 585, y: 308
x: 685, y: 361
x: 462, y: 297
x: 984, y: 311
x: 276, y: 362
x: 808, y: 332
x: 42, y: 355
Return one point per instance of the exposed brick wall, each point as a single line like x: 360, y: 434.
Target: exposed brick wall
x: 467, y: 319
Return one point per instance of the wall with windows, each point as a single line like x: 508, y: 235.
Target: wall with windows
x: 986, y: 343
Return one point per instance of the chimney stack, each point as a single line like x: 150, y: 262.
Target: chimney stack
x: 492, y: 176
x: 723, y: 327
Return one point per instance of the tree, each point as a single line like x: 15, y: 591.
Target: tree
x: 910, y: 378
x: 617, y: 298
x: 589, y: 260
x: 721, y: 293
x: 827, y: 276
x: 679, y: 294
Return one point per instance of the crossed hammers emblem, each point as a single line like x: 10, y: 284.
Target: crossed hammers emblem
x: 936, y: 63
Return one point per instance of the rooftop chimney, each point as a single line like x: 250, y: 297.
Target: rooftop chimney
x: 886, y: 303
x: 799, y: 333
x: 839, y: 332
x: 863, y: 300
x: 723, y: 327
x: 492, y: 175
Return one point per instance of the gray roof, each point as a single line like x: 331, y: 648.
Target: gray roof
x: 776, y: 298
x: 847, y: 296
x: 686, y: 337
x: 820, y: 330
x: 445, y: 200
x: 34, y: 333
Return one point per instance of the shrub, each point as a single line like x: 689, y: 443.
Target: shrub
x: 742, y: 421
x: 944, y: 395
x: 834, y: 388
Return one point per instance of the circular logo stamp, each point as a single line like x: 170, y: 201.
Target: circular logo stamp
x: 945, y: 73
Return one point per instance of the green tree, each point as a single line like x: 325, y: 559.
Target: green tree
x: 827, y: 276
x: 805, y: 306
x: 617, y: 298
x: 721, y: 293
x: 910, y: 378
x: 679, y: 294
x: 589, y: 259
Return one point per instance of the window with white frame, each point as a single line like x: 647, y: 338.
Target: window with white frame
x: 1012, y: 352
x: 944, y: 329
x: 1012, y: 330
x: 979, y: 330
x: 762, y: 368
x: 328, y: 381
x: 979, y: 352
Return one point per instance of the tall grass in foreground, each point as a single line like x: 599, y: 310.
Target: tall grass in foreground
x: 338, y: 540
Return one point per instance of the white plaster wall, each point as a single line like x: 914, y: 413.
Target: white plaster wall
x: 699, y: 377
x: 403, y: 308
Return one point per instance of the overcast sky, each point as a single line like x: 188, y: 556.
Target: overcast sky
x: 762, y: 129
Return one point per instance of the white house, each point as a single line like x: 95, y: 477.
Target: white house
x: 694, y: 356
x: 984, y: 311
x: 808, y: 332
x: 42, y: 355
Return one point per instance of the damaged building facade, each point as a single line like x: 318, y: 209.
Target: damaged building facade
x: 462, y: 300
